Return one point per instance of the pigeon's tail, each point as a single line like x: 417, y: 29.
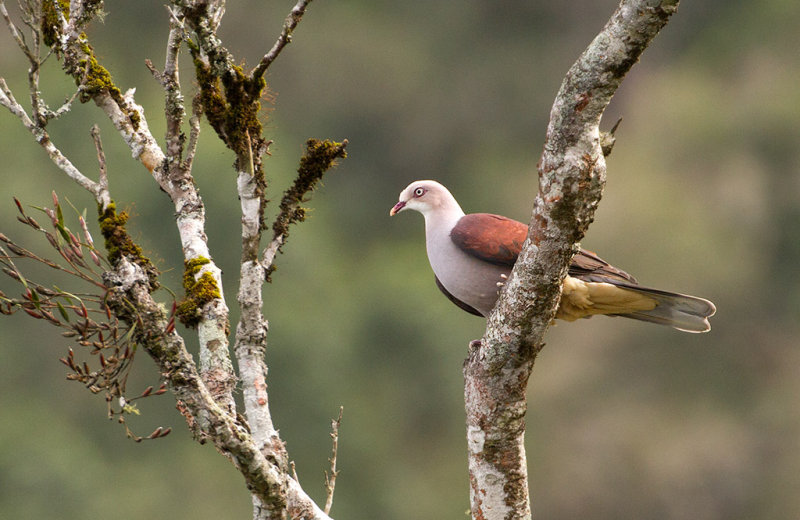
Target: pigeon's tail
x: 583, y: 298
x: 679, y: 311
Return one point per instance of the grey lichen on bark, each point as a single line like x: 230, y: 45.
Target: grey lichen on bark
x: 572, y: 173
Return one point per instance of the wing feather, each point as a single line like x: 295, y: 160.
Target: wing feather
x: 591, y: 268
x: 499, y: 240
x: 492, y: 238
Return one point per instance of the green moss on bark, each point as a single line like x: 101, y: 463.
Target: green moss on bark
x: 51, y: 21
x: 199, y: 291
x: 231, y: 103
x: 119, y: 244
x: 84, y: 68
x: 319, y: 157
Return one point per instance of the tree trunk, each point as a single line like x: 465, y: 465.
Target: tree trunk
x: 571, y: 178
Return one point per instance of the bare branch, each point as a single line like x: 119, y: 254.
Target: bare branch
x: 251, y: 331
x: 67, y: 105
x: 330, y: 478
x: 16, y: 34
x: 194, y: 132
x: 40, y: 135
x: 38, y: 106
x: 284, y: 39
x: 170, y: 80
x: 101, y: 160
x: 571, y: 179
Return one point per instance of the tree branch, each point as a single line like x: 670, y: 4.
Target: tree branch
x: 101, y: 161
x: 129, y: 284
x: 16, y: 34
x: 284, y: 39
x: 211, y: 319
x: 204, y: 395
x: 251, y: 331
x: 330, y: 479
x: 98, y: 190
x: 319, y: 157
x: 571, y: 178
x: 231, y: 102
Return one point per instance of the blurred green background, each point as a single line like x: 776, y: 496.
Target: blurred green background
x: 626, y: 420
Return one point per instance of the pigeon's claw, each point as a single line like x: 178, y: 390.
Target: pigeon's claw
x: 504, y: 278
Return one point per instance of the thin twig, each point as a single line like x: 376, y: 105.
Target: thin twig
x: 153, y: 70
x: 28, y: 14
x: 285, y: 37
x: 8, y: 100
x: 194, y: 132
x: 170, y: 80
x: 41, y: 136
x: 101, y: 161
x: 63, y: 109
x: 330, y: 479
x: 38, y: 106
x: 15, y: 33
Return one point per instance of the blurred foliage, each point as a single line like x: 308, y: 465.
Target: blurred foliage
x: 626, y: 420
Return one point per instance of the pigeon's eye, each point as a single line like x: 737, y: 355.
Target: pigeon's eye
x: 419, y: 192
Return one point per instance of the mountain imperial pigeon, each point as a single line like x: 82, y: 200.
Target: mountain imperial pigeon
x: 471, y: 255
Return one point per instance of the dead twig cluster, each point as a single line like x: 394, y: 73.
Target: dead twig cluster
x: 85, y: 316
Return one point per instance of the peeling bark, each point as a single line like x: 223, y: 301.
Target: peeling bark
x: 572, y: 173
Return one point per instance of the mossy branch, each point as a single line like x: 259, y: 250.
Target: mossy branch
x: 319, y: 157
x: 119, y: 244
x: 52, y: 11
x: 231, y: 103
x: 199, y: 291
x: 77, y: 56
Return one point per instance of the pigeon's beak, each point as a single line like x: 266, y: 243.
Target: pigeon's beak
x: 397, y: 208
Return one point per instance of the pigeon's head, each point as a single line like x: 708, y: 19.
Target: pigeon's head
x: 427, y: 197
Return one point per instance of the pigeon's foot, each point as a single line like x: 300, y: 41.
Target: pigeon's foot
x: 504, y: 278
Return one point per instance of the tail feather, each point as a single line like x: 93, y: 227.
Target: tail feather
x: 679, y: 311
x: 586, y: 296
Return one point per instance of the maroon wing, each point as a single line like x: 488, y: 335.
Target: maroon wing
x: 499, y: 240
x: 491, y: 238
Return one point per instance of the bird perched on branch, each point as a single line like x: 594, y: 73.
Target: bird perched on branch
x: 471, y: 255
